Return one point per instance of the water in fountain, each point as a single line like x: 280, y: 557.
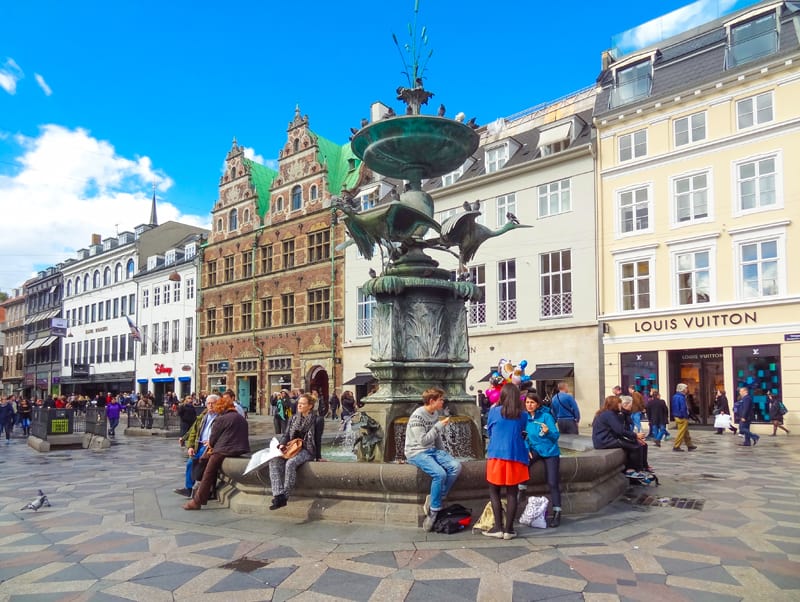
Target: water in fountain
x: 341, y: 446
x: 456, y: 436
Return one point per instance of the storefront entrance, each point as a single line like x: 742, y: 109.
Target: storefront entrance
x: 245, y: 392
x: 702, y: 371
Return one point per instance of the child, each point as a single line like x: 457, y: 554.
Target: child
x: 542, y: 442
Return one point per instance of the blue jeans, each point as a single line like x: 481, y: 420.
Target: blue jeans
x: 744, y: 429
x: 443, y: 470
x: 659, y: 431
x: 637, y: 422
x: 189, y: 480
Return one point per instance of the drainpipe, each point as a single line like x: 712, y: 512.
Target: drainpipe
x: 259, y: 350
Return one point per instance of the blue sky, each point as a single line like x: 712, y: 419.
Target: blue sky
x: 98, y: 100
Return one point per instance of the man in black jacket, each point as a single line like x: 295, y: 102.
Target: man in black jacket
x: 746, y: 414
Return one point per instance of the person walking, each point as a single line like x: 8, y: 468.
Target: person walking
x: 657, y: 415
x: 722, y: 408
x: 506, y: 458
x: 542, y: 441
x: 680, y: 412
x: 776, y: 412
x: 144, y: 407
x: 6, y: 418
x: 747, y: 412
x: 279, y: 415
x: 565, y: 410
x: 113, y: 411
x: 25, y: 411
x: 334, y: 403
x: 424, y: 448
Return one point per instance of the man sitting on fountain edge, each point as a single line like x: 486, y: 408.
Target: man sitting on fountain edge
x: 425, y: 450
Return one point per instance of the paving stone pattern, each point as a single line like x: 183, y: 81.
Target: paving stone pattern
x: 116, y: 531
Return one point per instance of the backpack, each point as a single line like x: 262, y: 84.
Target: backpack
x: 535, y: 512
x: 452, y: 519
x: 486, y: 521
x: 782, y: 408
x: 641, y: 477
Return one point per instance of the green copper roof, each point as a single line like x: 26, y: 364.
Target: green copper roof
x: 339, y: 160
x: 261, y: 178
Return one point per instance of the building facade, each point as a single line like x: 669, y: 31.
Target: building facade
x: 13, y: 352
x: 271, y: 296
x: 44, y: 330
x: 698, y: 213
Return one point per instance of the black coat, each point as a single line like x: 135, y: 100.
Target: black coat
x: 657, y: 412
x: 608, y: 432
x: 721, y: 405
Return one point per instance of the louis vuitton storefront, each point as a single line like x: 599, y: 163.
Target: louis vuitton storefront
x: 756, y: 348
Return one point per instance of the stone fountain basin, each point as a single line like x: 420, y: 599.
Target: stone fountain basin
x: 393, y: 494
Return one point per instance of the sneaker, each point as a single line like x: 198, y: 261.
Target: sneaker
x: 426, y: 505
x: 677, y: 449
x: 658, y: 443
x: 183, y: 491
x: 755, y: 441
x: 692, y: 447
x: 494, y: 533
x: 429, y: 521
x: 509, y: 535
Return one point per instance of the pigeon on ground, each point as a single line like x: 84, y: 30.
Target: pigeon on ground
x: 37, y: 503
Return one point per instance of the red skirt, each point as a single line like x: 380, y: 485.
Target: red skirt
x: 506, y: 472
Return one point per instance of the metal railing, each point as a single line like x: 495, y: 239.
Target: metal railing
x: 158, y: 418
x: 62, y: 421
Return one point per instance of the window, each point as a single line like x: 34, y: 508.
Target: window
x: 227, y: 319
x: 507, y: 290
x: 176, y: 328
x: 247, y: 264
x: 156, y: 296
x: 631, y: 83
x: 505, y: 204
x: 496, y: 158
x: 165, y: 337
x: 94, y: 312
x: 228, y: 273
x: 100, y: 313
x: 554, y: 139
x: 634, y: 210
x: 166, y: 293
x: 123, y: 306
x: 129, y: 270
x: 116, y: 307
x: 94, y: 352
x: 313, y: 192
x: 219, y: 225
x: 288, y: 254
x: 132, y: 303
x: 233, y: 220
x: 176, y: 291
x: 279, y: 204
x: 693, y: 273
x: 759, y: 263
x: 187, y: 344
x: 118, y: 272
x: 556, y: 284
x: 266, y: 259
x: 754, y: 110
x: 476, y: 310
x: 756, y: 184
x: 96, y: 279
x: 751, y: 40
x: 635, y: 280
x: 691, y: 198
x: 366, y: 309
x: 107, y: 349
x: 369, y: 200
x: 247, y: 315
x: 86, y: 282
x: 107, y: 277
x: 554, y: 198
x: 266, y: 313
x: 154, y: 341
x: 319, y: 304
x: 297, y: 198
x: 189, y: 288
x: 211, y: 272
x: 115, y: 349
x: 211, y: 321
x: 287, y: 308
x: 690, y: 129
x: 633, y: 145
x: 123, y: 348
x: 319, y: 246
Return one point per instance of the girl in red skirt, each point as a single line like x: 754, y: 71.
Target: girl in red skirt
x: 507, y: 458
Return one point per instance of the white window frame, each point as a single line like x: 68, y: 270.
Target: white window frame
x: 145, y: 298
x: 559, y: 304
x: 618, y: 209
x: 692, y: 137
x: 497, y: 157
x: 557, y: 189
x: 505, y: 203
x: 476, y: 310
x: 507, y: 308
x: 633, y: 145
x: 636, y: 256
x: 749, y: 106
x: 365, y: 312
x: 758, y: 235
x: 706, y: 244
x: 777, y: 156
x: 673, y: 184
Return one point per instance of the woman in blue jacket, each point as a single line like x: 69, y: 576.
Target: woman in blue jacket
x: 542, y: 441
x: 507, y: 458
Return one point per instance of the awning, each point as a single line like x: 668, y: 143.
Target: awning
x: 46, y: 315
x: 184, y: 379
x: 555, y: 134
x: 486, y: 378
x: 552, y: 373
x: 37, y: 343
x: 164, y: 380
x: 49, y: 341
x: 26, y: 345
x: 361, y: 378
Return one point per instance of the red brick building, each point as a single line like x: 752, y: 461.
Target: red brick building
x: 271, y: 297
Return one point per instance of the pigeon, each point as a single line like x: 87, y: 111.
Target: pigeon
x: 353, y: 131
x: 471, y: 123
x: 441, y: 111
x: 512, y: 218
x: 467, y: 206
x: 476, y: 206
x: 37, y: 503
x: 390, y: 112
x: 373, y: 273
x: 364, y: 122
x: 460, y: 117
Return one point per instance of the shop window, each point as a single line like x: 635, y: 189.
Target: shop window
x: 640, y: 369
x: 758, y: 368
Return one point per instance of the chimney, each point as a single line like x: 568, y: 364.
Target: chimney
x: 96, y: 239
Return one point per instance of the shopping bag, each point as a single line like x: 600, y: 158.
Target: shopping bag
x: 722, y: 421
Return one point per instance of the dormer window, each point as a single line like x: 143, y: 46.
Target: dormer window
x: 496, y: 158
x: 751, y: 39
x: 555, y: 139
x: 631, y: 83
x: 190, y: 250
x: 169, y: 257
x: 369, y: 199
x: 453, y: 176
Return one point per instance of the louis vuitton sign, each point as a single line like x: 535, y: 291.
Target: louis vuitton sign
x: 721, y: 320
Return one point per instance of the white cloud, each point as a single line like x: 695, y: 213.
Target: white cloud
x: 10, y: 74
x: 68, y: 186
x: 42, y: 84
x: 250, y: 153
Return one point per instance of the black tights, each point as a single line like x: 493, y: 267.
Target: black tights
x: 497, y: 507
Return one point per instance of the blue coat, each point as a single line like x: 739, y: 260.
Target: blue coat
x: 679, y: 409
x: 747, y: 409
x: 545, y: 446
x: 608, y: 432
x: 505, y: 436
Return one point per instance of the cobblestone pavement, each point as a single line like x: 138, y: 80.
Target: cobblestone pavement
x: 116, y: 531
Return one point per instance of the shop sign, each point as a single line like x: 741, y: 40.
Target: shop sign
x: 186, y: 368
x: 795, y: 336
x: 30, y: 378
x: 696, y: 322
x: 41, y: 383
x: 162, y: 369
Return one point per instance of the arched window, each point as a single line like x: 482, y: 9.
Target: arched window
x: 107, y: 277
x: 96, y: 279
x: 219, y: 225
x: 77, y: 284
x: 233, y: 220
x: 279, y: 204
x: 297, y: 198
x: 246, y: 217
x: 118, y: 272
x: 233, y: 172
x: 313, y: 192
x: 86, y: 283
x: 129, y: 269
x: 296, y: 144
x: 69, y: 288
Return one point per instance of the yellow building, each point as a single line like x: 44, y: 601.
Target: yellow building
x: 698, y: 208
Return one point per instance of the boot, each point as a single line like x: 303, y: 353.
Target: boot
x: 555, y: 520
x: 279, y: 501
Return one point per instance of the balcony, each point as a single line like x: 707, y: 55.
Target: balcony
x: 628, y: 91
x: 750, y: 49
